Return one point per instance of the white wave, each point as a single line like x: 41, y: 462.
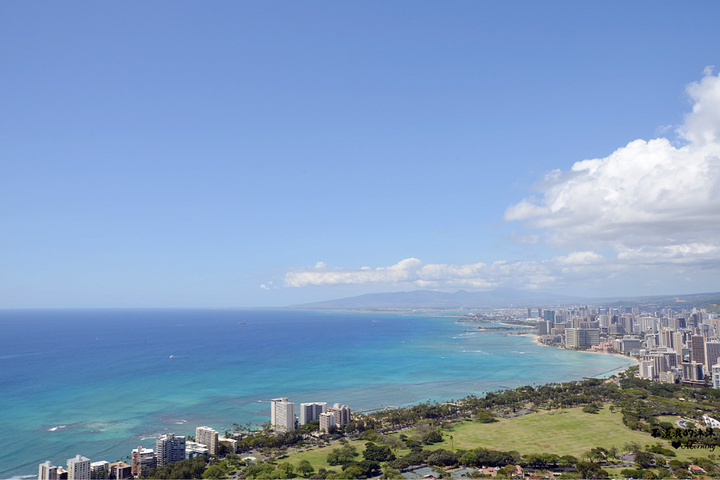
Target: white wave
x: 465, y: 335
x: 55, y: 429
x: 20, y: 477
x: 17, y: 355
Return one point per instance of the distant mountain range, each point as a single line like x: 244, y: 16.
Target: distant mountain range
x: 498, y: 298
x: 429, y: 299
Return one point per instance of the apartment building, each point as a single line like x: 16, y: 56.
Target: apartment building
x: 282, y: 414
x: 311, y: 411
x: 208, y: 437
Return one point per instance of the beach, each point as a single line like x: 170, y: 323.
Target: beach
x: 536, y: 340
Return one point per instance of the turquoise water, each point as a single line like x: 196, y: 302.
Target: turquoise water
x: 101, y: 382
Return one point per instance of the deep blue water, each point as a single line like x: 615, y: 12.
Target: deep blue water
x: 101, y: 382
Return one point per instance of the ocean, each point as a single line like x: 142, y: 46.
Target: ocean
x: 101, y: 382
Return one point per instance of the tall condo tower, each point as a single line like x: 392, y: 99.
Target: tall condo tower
x: 311, y: 411
x: 170, y: 448
x: 208, y: 437
x: 282, y: 414
x: 78, y: 468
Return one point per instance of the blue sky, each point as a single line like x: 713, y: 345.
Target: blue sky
x: 271, y: 153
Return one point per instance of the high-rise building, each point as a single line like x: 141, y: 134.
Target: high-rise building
x: 716, y: 376
x: 648, y: 324
x: 627, y: 323
x: 142, y: 461
x: 341, y: 412
x: 666, y: 338
x: 311, y: 411
x: 100, y: 469
x: 647, y: 369
x: 678, y: 342
x: 194, y: 450
x: 327, y: 420
x: 582, y: 337
x: 170, y: 448
x: 282, y: 414
x: 78, y: 468
x: 629, y: 343
x: 712, y: 354
x: 659, y: 364
x: 208, y: 437
x: 120, y: 470
x: 693, y: 372
x: 47, y: 471
x: 697, y: 344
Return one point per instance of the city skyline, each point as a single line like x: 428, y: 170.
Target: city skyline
x: 257, y: 155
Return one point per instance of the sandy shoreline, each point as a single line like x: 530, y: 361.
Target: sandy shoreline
x: 537, y: 341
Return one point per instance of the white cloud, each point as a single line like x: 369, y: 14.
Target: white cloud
x: 580, y: 258
x: 403, y: 271
x: 412, y: 273
x: 652, y: 203
x: 649, y: 199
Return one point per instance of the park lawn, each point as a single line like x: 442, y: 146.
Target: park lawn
x: 668, y: 418
x: 317, y: 456
x: 563, y: 432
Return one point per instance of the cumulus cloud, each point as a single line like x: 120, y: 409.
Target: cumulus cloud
x: 411, y: 272
x: 401, y: 272
x: 648, y: 199
x: 652, y: 203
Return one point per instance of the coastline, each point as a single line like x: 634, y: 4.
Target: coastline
x: 536, y: 340
x: 397, y: 369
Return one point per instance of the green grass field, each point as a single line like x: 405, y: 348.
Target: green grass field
x: 564, y: 432
x: 317, y: 456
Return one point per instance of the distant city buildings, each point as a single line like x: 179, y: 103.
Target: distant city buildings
x: 671, y: 345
